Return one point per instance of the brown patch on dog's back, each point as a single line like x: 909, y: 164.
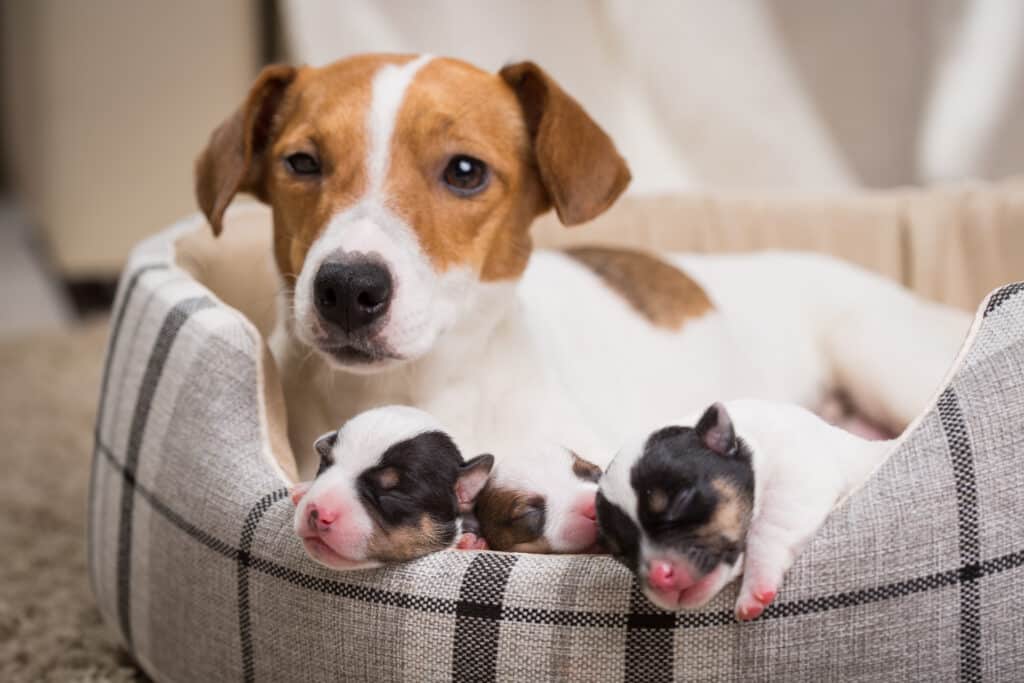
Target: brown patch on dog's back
x: 498, y: 512
x: 657, y: 290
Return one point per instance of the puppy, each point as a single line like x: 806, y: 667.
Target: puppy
x: 543, y: 503
x: 392, y: 486
x: 692, y: 505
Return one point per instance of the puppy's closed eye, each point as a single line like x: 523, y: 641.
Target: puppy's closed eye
x: 526, y: 512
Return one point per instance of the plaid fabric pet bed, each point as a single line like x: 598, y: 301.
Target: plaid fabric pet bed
x: 918, y: 576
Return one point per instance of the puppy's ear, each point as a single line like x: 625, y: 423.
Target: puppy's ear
x: 324, y: 447
x: 585, y: 470
x: 232, y: 159
x: 716, y: 431
x: 579, y: 166
x: 472, y: 478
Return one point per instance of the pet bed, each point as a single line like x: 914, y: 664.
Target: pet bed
x: 194, y: 562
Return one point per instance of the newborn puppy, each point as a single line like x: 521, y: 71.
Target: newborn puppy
x: 690, y: 506
x: 540, y: 502
x: 392, y: 486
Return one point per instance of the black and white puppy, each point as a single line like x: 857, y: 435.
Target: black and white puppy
x: 739, y: 489
x: 392, y: 486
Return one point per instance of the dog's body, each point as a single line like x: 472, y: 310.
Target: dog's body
x: 403, y: 189
x: 564, y: 358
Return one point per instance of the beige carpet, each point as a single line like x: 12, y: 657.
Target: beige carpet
x: 50, y: 629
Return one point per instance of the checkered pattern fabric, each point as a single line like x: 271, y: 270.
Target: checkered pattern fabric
x: 918, y: 576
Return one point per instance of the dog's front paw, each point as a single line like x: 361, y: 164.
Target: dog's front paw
x: 470, y: 541
x: 753, y: 601
x: 298, y: 491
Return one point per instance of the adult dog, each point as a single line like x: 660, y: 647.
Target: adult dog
x: 403, y: 189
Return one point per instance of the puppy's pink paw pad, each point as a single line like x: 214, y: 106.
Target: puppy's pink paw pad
x: 298, y: 491
x: 765, y: 596
x: 749, y: 612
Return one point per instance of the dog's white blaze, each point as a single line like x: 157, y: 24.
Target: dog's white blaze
x: 389, y: 86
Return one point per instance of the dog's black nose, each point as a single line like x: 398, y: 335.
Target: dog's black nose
x: 352, y: 295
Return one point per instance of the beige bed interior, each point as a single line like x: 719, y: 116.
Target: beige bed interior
x: 951, y: 244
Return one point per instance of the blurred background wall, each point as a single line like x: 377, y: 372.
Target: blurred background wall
x: 106, y: 103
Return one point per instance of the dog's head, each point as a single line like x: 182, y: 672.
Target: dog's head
x: 392, y: 486
x: 402, y: 189
x: 540, y: 502
x: 676, y: 506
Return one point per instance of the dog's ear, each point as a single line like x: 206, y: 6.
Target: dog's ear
x: 231, y: 162
x: 472, y: 477
x: 579, y: 166
x: 716, y: 431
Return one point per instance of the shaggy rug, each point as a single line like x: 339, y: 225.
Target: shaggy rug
x: 50, y: 629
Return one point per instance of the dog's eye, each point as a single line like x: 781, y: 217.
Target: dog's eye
x: 301, y: 163
x: 466, y: 176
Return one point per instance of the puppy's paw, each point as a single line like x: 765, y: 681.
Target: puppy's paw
x: 298, y: 491
x: 470, y: 541
x: 752, y: 603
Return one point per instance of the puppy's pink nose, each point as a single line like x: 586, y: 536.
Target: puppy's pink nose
x: 320, y: 519
x: 661, y: 575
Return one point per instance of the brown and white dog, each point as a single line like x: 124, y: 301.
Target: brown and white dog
x: 403, y: 189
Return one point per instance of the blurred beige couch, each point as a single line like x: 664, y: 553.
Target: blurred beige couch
x: 105, y: 106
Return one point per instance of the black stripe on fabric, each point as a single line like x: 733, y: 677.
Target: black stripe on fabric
x: 252, y: 522
x: 649, y: 642
x: 112, y: 344
x: 683, y: 620
x: 951, y: 416
x: 173, y: 322
x: 478, y: 617
x: 1001, y: 296
x: 212, y: 542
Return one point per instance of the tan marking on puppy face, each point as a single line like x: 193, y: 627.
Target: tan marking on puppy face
x: 407, y: 542
x: 657, y: 501
x: 388, y: 478
x: 731, y: 517
x: 452, y: 109
x: 511, y: 521
x: 657, y: 290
